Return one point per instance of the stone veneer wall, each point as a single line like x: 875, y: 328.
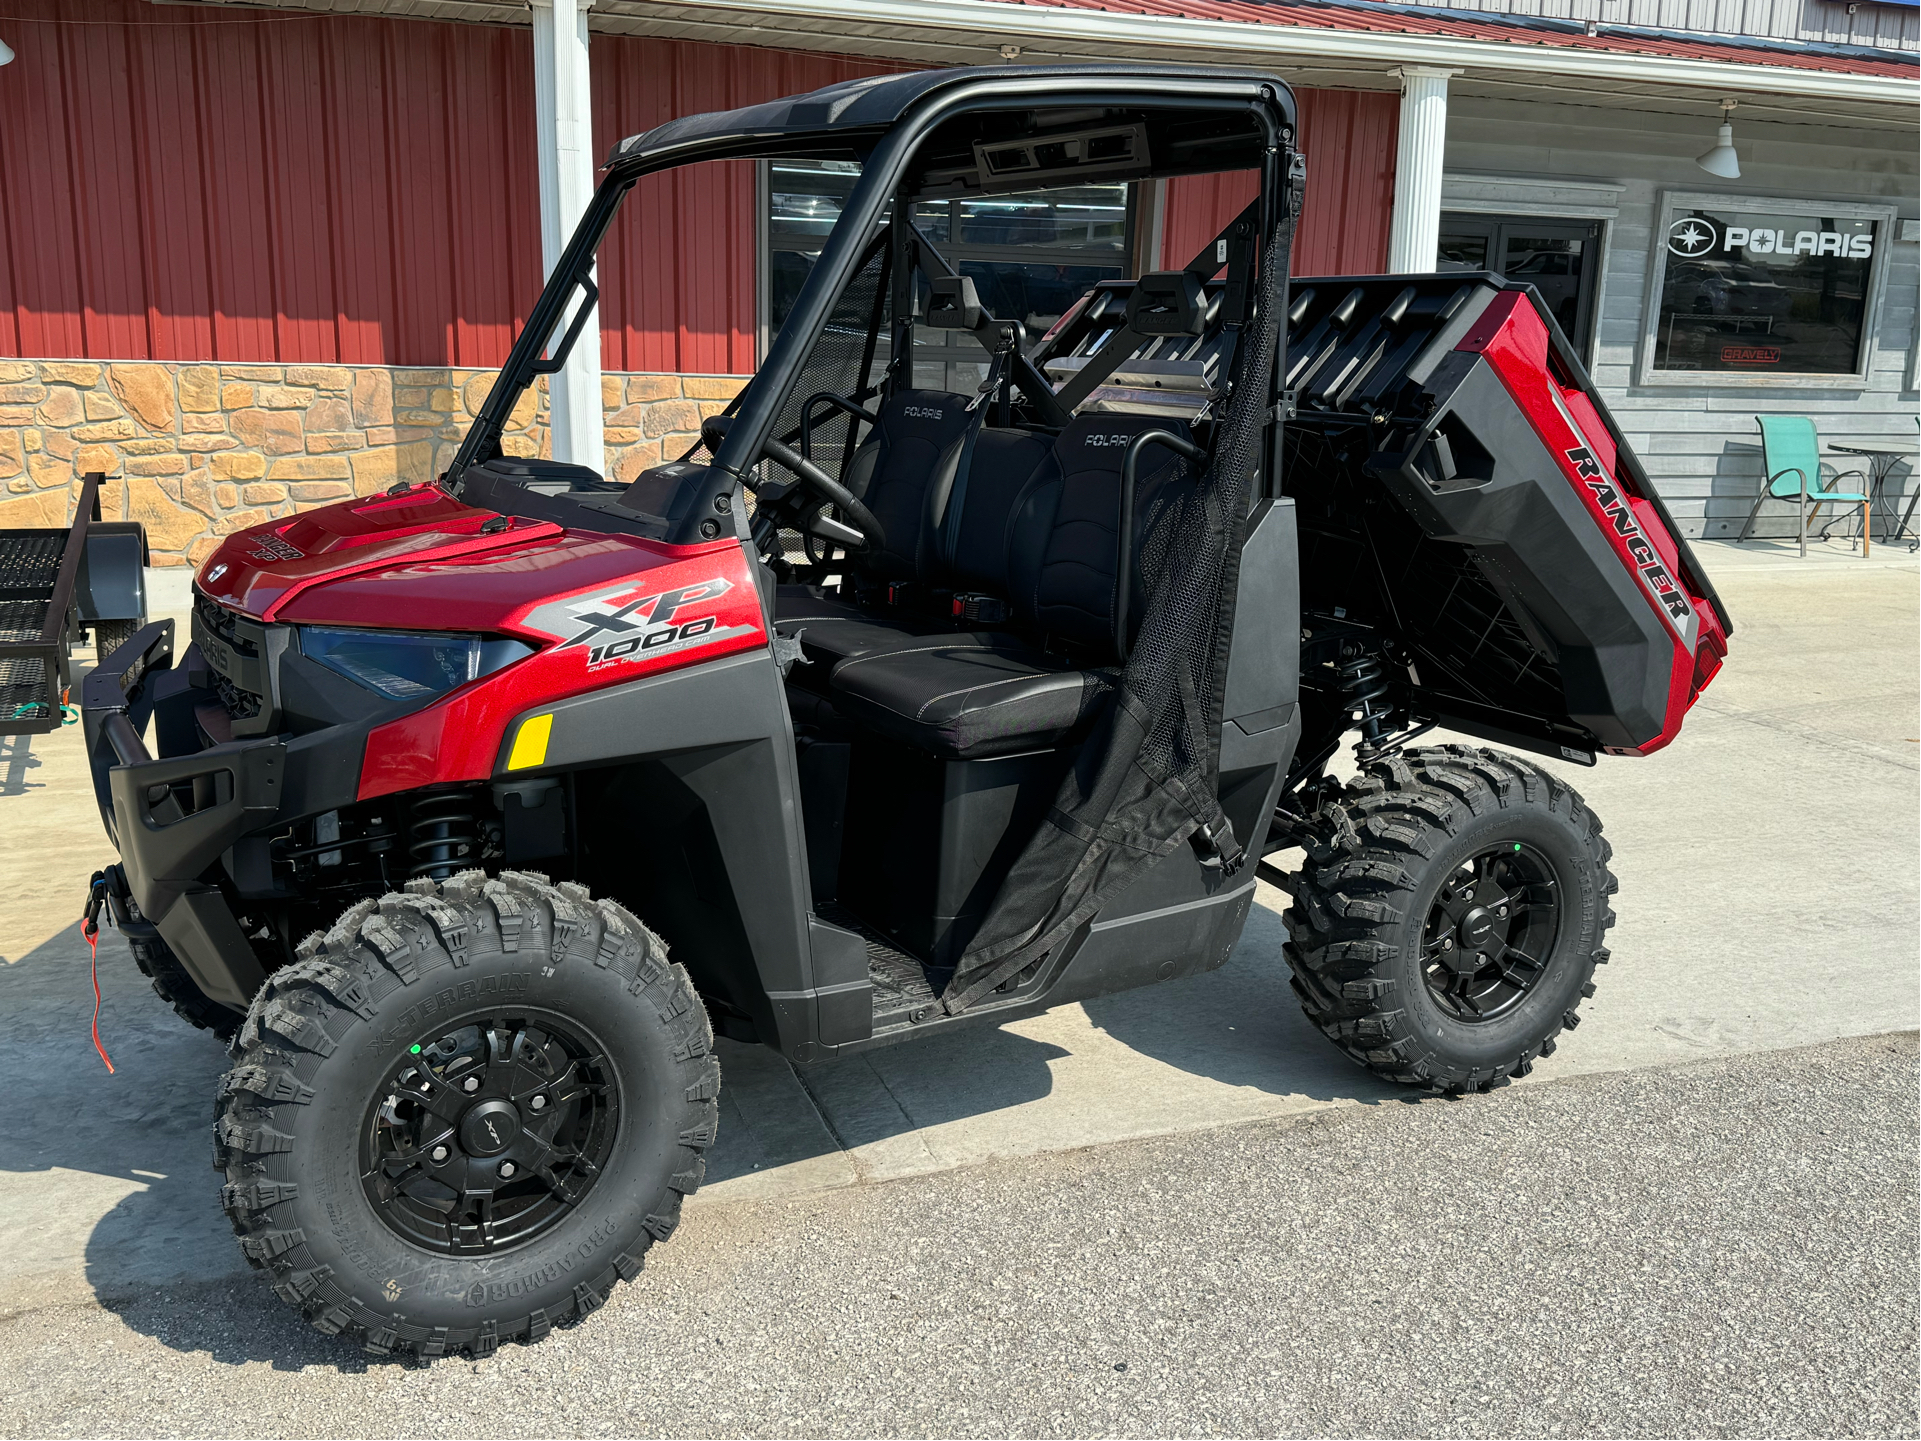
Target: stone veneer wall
x: 196, y: 452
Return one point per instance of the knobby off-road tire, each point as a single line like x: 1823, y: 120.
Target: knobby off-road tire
x: 173, y: 985
x: 332, y: 1043
x: 1367, y: 924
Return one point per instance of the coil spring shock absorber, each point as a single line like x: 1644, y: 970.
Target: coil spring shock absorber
x: 445, y: 834
x: 1364, y: 688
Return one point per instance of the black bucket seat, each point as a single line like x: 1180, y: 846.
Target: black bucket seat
x: 1048, y: 546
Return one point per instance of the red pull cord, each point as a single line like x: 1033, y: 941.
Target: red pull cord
x: 90, y: 928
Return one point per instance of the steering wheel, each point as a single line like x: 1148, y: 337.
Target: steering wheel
x: 796, y: 504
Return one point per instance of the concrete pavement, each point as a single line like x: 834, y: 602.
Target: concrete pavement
x: 1768, y: 865
x: 1719, y: 1249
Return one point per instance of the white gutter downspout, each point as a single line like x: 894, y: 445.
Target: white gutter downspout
x: 1414, y: 236
x: 564, y: 140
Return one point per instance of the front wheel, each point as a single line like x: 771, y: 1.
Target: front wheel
x: 1450, y: 916
x: 464, y: 1113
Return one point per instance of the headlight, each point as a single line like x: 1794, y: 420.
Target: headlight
x: 407, y: 665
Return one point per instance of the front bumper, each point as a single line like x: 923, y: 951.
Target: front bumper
x: 174, y: 818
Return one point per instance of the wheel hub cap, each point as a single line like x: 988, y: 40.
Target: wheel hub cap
x: 489, y: 1134
x: 1491, y: 931
x: 1476, y: 926
x: 489, y: 1128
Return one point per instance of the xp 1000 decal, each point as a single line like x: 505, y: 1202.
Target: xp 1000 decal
x: 629, y: 623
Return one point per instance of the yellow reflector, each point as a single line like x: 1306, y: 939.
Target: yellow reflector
x: 530, y: 746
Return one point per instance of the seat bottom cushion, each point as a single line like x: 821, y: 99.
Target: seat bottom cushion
x: 831, y: 631
x: 966, y: 697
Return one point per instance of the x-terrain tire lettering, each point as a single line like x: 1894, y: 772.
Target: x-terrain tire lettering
x: 551, y: 1070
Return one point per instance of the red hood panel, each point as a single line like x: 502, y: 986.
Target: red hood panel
x: 600, y: 609
x: 260, y: 571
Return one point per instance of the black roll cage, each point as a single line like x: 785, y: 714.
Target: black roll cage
x: 886, y: 152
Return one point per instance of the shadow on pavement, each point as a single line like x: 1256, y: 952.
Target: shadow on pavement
x: 16, y: 761
x: 1240, y: 1025
x: 106, y: 1187
x: 105, y: 1180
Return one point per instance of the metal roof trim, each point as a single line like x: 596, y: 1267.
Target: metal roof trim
x: 1168, y: 29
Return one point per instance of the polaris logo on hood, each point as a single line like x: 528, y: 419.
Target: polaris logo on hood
x: 1653, y: 571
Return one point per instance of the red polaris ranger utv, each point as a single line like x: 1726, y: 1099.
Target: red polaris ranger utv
x: 902, y: 703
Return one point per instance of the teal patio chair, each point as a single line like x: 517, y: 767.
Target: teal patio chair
x: 1791, y: 456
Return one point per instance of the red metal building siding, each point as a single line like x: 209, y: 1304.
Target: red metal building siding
x: 1348, y: 137
x: 194, y: 184
x: 677, y: 274
x: 198, y: 185
x: 186, y: 184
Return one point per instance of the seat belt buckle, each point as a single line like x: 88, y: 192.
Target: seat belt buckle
x: 901, y: 592
x: 973, y: 609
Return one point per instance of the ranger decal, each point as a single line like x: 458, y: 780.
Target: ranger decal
x: 1667, y: 592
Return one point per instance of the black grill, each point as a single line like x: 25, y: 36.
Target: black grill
x: 225, y: 624
x: 243, y: 638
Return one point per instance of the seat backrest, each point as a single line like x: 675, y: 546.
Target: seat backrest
x: 904, y: 472
x: 1064, y: 538
x: 1788, y: 445
x: 980, y: 510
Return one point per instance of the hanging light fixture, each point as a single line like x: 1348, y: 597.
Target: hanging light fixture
x: 1722, y: 160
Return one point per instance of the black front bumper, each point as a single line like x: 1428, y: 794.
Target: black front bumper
x: 175, y: 818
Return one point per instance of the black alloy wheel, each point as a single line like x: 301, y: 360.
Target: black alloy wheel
x: 490, y: 1133
x: 1449, y: 916
x: 463, y: 1114
x: 1492, y: 925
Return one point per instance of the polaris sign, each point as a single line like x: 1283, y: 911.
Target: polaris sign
x: 1694, y: 236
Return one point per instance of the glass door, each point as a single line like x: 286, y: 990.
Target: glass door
x: 1557, y: 257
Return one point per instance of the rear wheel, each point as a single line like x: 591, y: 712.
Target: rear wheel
x: 1448, y: 921
x: 464, y: 1113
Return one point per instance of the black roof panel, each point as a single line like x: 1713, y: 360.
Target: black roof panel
x: 875, y: 102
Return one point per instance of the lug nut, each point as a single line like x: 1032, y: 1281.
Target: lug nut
x: 538, y: 1103
x: 472, y: 1083
x: 1500, y: 910
x: 507, y: 1169
x: 439, y: 1153
x: 1447, y: 943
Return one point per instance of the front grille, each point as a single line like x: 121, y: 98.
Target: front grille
x: 225, y: 624
x: 234, y: 650
x: 240, y: 704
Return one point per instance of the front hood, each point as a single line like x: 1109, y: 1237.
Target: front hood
x: 260, y: 570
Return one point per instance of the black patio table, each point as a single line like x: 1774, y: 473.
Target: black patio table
x: 1881, y: 463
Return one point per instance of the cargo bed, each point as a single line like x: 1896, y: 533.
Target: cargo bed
x: 1464, y: 494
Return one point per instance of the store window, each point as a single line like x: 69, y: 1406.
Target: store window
x: 1559, y: 258
x: 1031, y: 254
x: 1755, y: 289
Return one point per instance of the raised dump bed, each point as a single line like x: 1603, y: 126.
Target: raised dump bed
x: 1463, y: 492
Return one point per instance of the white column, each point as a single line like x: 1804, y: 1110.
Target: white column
x: 563, y: 119
x: 1414, y: 237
